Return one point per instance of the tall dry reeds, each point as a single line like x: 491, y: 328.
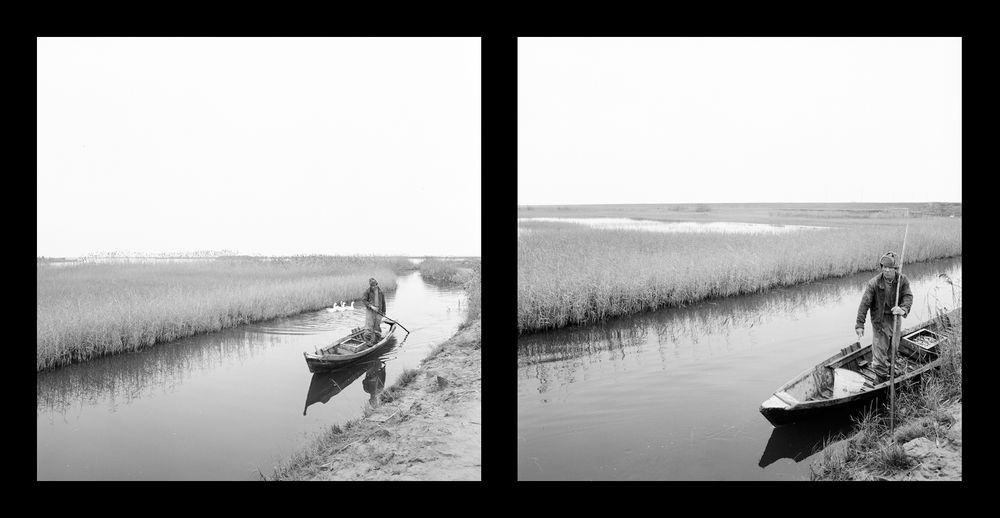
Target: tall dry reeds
x: 92, y: 310
x: 437, y: 270
x: 571, y: 274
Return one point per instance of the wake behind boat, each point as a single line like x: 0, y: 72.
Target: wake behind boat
x: 846, y: 380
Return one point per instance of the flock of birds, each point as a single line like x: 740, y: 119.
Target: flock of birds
x: 342, y: 306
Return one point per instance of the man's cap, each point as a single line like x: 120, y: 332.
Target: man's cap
x: 889, y: 259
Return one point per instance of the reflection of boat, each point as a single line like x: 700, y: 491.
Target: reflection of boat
x: 797, y: 441
x: 352, y: 348
x: 845, y: 379
x: 325, y: 385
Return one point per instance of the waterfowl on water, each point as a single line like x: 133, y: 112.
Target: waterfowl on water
x: 341, y: 306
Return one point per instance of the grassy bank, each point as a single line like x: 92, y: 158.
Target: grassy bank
x: 474, y: 290
x: 572, y: 274
x: 930, y: 411
x: 445, y: 272
x: 94, y: 309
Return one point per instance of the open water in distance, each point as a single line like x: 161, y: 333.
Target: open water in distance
x: 674, y: 394
x: 221, y: 405
x: 644, y: 225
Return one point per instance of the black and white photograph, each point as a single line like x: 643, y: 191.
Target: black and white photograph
x: 739, y: 258
x: 259, y: 258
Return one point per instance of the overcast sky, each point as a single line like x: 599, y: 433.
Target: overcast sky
x: 264, y: 146
x: 727, y: 120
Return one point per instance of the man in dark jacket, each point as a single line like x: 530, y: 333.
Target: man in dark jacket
x: 374, y: 301
x: 879, y: 300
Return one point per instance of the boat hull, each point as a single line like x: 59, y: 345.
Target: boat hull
x: 328, y: 362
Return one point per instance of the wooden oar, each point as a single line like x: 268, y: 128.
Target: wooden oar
x: 895, y: 341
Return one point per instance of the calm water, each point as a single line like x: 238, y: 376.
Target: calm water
x: 674, y: 394
x: 674, y: 226
x: 222, y: 405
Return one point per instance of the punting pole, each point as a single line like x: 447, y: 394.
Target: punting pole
x: 895, y: 342
x: 401, y: 325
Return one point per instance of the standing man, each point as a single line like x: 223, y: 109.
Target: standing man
x: 879, y: 300
x: 374, y: 301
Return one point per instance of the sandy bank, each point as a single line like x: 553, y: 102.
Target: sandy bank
x: 936, y: 454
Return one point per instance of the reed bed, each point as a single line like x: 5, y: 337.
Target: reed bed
x: 96, y: 309
x: 437, y: 270
x: 571, y: 274
x: 474, y: 291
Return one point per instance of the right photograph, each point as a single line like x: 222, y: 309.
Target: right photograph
x: 739, y: 259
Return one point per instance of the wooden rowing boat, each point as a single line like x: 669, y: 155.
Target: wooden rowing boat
x: 347, y: 350
x: 845, y: 380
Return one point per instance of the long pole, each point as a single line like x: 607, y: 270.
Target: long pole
x: 397, y: 321
x: 895, y: 341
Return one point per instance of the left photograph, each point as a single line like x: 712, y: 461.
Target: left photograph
x: 258, y: 259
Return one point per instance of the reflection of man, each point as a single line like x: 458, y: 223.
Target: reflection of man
x: 374, y: 381
x: 880, y: 300
x: 375, y: 304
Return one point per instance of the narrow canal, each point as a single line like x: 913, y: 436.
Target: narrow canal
x: 221, y: 406
x: 674, y: 394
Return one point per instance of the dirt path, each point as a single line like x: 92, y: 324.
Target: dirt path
x: 430, y: 430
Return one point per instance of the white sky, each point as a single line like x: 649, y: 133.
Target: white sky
x: 727, y: 120
x: 261, y: 145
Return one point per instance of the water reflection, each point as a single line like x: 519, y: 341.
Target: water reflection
x: 325, y: 385
x: 124, y: 378
x: 799, y: 441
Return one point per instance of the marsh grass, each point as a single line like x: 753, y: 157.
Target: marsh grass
x: 474, y: 291
x: 867, y: 454
x: 90, y: 310
x: 571, y: 274
x: 439, y: 271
